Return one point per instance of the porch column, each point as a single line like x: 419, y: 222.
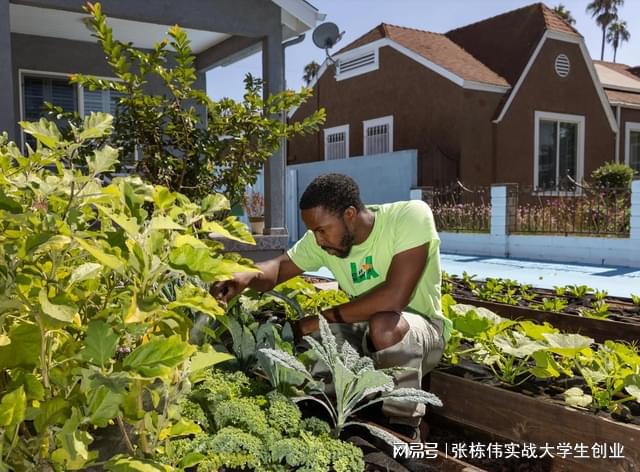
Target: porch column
x: 274, y: 169
x: 7, y: 115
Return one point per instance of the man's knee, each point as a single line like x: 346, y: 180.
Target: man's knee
x: 386, y: 328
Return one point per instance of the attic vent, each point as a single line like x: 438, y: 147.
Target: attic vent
x: 356, y: 65
x: 563, y: 66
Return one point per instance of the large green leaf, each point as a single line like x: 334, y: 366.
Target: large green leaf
x: 205, y: 359
x: 96, y: 125
x: 230, y: 228
x: 122, y: 463
x: 100, y: 344
x: 198, y: 262
x: 163, y: 197
x: 196, y: 299
x: 86, y: 271
x: 567, y: 344
x: 104, y: 405
x: 52, y: 412
x: 74, y: 442
x: 214, y: 203
x: 13, y: 407
x: 183, y: 427
x: 108, y: 260
x: 128, y: 224
x: 517, y: 344
x: 102, y: 160
x: 471, y: 324
x: 164, y: 222
x: 9, y: 204
x: 64, y: 313
x: 24, y: 350
x: 159, y: 356
x: 44, y: 131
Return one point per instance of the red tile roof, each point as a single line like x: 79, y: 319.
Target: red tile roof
x: 505, y: 42
x: 435, y: 47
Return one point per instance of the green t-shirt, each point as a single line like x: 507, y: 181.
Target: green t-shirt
x: 397, y: 227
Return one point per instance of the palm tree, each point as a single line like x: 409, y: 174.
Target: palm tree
x: 617, y: 34
x: 310, y: 71
x: 605, y: 12
x: 565, y: 14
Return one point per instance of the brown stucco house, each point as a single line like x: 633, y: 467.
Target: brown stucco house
x: 513, y: 98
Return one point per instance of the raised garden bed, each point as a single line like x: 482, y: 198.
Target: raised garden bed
x: 519, y: 418
x: 600, y: 330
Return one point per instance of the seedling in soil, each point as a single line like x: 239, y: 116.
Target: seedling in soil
x: 554, y: 304
x: 599, y: 310
x: 578, y: 291
x: 600, y: 295
x: 635, y: 299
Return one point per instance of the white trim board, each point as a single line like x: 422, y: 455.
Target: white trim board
x: 592, y: 71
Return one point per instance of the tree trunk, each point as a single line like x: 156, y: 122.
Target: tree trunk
x: 602, y: 49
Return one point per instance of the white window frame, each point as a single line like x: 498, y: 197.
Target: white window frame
x: 385, y: 120
x: 334, y: 130
x: 629, y: 127
x: 50, y: 75
x: 566, y: 118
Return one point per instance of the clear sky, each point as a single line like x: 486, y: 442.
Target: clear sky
x: 356, y: 17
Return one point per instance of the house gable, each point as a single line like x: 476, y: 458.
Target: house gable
x: 543, y: 92
x: 583, y: 58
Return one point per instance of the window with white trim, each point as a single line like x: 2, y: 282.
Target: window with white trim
x: 378, y: 135
x: 40, y: 87
x: 37, y: 90
x: 100, y: 100
x: 632, y: 146
x: 336, y: 142
x: 558, y: 149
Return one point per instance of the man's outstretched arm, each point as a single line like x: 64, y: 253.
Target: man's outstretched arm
x: 272, y: 273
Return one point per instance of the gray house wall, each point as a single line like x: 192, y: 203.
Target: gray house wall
x: 43, y: 55
x: 382, y: 178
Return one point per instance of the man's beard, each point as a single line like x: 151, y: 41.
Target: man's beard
x: 346, y: 243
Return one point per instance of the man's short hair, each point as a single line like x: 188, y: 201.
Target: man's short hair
x: 334, y: 192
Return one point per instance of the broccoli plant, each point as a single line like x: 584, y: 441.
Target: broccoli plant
x: 248, y: 428
x: 355, y: 379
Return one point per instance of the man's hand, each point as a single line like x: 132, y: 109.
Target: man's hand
x: 226, y: 290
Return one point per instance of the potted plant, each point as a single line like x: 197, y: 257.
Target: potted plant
x: 254, y: 206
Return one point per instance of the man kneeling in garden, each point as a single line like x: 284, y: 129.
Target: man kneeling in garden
x: 387, y: 258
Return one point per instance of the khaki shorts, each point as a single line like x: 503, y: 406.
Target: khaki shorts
x: 419, y: 351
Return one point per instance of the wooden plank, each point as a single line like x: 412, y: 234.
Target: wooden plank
x: 519, y: 418
x: 600, y: 330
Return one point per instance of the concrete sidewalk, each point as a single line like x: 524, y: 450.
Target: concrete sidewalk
x: 617, y: 281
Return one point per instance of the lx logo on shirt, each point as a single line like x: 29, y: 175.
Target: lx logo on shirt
x: 364, y: 272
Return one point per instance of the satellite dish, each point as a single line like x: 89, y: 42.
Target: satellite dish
x: 326, y: 35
